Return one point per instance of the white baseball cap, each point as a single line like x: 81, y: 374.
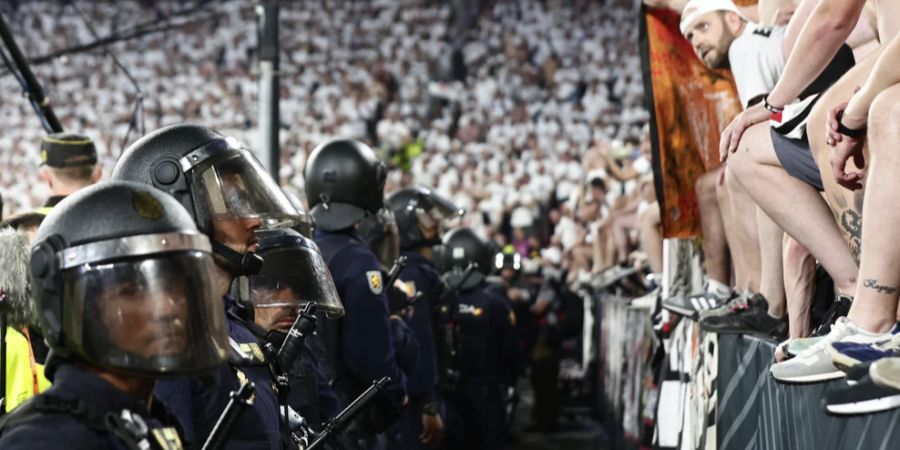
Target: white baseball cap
x: 697, y: 8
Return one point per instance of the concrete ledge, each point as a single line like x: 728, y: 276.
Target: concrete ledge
x: 755, y: 412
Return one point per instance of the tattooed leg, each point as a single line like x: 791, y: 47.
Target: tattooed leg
x: 875, y: 305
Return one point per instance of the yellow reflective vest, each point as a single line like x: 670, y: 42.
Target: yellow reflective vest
x: 24, y: 377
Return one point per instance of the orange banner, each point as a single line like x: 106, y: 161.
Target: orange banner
x: 691, y: 105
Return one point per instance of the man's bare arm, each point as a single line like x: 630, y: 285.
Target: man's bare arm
x: 885, y: 74
x: 826, y: 30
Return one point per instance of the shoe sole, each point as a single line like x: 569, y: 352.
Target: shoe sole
x: 892, y: 383
x: 865, y: 407
x: 758, y: 334
x: 689, y: 313
x: 810, y: 379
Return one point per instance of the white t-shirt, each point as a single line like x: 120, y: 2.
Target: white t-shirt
x: 756, y: 60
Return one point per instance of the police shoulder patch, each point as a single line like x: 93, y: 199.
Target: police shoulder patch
x: 167, y: 439
x: 373, y: 277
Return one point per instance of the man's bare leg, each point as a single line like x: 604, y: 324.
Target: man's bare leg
x: 651, y: 236
x: 715, y: 245
x: 742, y: 233
x: 772, y: 279
x: 799, y: 283
x: 803, y: 214
x: 875, y: 305
x: 621, y: 230
x: 846, y: 205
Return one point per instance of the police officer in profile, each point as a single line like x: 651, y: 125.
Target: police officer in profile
x: 230, y: 196
x: 479, y: 346
x: 419, y: 214
x: 344, y: 185
x: 124, y: 293
x: 68, y: 163
x: 293, y: 275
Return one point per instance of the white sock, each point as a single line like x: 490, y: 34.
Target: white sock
x: 718, y: 289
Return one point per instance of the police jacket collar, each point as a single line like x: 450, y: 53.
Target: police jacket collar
x: 73, y: 382
x: 351, y: 233
x: 416, y: 258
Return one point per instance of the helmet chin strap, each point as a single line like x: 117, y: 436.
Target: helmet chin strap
x: 234, y: 262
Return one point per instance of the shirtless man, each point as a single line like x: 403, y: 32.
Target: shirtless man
x: 873, y: 313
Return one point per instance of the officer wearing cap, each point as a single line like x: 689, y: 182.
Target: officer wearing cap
x: 68, y: 163
x: 419, y: 214
x: 480, y: 347
x: 293, y: 275
x: 230, y: 197
x: 344, y: 185
x: 122, y: 286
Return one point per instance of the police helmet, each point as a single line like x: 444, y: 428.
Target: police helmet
x: 293, y: 274
x: 303, y: 223
x: 344, y: 184
x: 417, y: 208
x: 122, y: 279
x: 462, y: 249
x: 508, y: 258
x: 214, y: 177
x: 380, y: 231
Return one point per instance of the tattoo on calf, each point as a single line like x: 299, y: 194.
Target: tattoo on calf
x: 882, y: 289
x: 851, y: 222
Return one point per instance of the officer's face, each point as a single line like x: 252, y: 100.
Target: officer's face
x: 280, y: 317
x: 711, y: 38
x: 238, y: 234
x: 144, y: 321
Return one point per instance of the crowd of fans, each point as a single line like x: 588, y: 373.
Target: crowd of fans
x: 520, y: 117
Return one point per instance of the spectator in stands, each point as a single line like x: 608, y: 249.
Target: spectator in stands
x: 68, y: 163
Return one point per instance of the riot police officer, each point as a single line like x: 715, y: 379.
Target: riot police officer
x: 419, y: 214
x: 344, y: 185
x: 293, y: 275
x: 479, y: 345
x: 123, y: 288
x: 230, y: 196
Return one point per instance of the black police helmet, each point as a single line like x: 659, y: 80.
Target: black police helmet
x: 462, y: 248
x: 119, y: 260
x: 344, y: 183
x: 155, y: 160
x: 213, y: 177
x: 413, y: 205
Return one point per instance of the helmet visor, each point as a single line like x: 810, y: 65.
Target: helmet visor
x: 157, y: 315
x: 444, y: 208
x: 292, y: 277
x: 233, y: 185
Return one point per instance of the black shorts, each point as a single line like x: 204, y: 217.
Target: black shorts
x: 796, y: 158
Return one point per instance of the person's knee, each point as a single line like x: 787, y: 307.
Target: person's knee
x: 884, y: 117
x: 705, y: 186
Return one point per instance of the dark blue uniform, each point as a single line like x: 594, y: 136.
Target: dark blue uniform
x: 198, y: 404
x: 419, y: 275
x: 310, y: 394
x: 62, y: 430
x: 486, y: 359
x: 360, y: 344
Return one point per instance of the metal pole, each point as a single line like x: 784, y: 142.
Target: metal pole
x: 34, y: 90
x: 269, y: 119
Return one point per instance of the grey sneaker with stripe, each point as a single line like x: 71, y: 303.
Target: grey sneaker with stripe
x: 691, y: 306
